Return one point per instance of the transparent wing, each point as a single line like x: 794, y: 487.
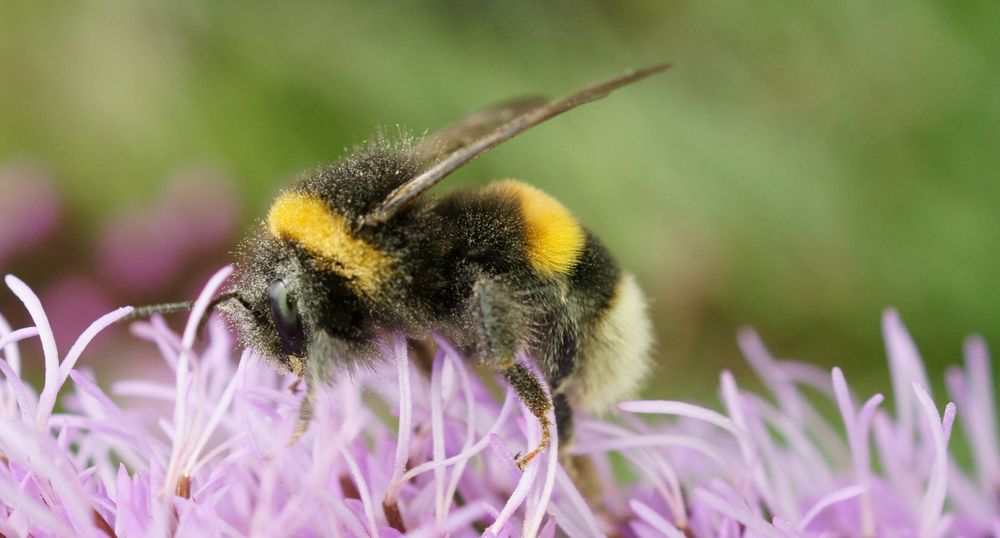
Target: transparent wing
x: 467, y: 130
x: 480, y: 136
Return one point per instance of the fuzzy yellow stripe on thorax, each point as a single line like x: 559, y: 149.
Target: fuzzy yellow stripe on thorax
x: 554, y: 238
x: 308, y: 221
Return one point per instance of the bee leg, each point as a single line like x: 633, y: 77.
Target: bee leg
x: 530, y: 390
x: 305, y: 409
x: 422, y: 353
x: 501, y: 323
x: 564, y: 420
x: 580, y: 467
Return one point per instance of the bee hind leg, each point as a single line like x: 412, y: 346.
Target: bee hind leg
x: 581, y: 468
x: 564, y: 420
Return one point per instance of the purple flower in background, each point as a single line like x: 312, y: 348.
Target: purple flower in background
x: 30, y: 209
x: 145, y: 248
x: 397, y: 451
x: 142, y: 253
x: 72, y: 302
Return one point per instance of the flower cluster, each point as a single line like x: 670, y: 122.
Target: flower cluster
x: 135, y: 253
x: 213, y: 450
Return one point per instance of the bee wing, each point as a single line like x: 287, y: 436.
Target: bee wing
x: 467, y: 130
x: 467, y: 147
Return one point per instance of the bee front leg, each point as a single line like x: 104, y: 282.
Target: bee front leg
x: 308, y: 375
x: 305, y: 408
x: 501, y: 323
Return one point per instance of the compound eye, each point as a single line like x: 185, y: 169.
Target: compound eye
x: 286, y: 318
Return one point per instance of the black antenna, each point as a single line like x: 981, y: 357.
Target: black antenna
x: 169, y: 308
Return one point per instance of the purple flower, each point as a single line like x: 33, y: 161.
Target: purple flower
x: 146, y: 248
x: 393, y: 451
x: 30, y: 209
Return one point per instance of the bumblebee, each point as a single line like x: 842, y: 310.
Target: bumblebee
x: 355, y: 251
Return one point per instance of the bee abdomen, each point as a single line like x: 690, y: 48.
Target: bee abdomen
x: 616, y: 354
x: 553, y: 238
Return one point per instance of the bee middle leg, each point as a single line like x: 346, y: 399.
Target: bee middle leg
x: 501, y: 323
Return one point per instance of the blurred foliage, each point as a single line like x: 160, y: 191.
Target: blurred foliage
x: 803, y: 166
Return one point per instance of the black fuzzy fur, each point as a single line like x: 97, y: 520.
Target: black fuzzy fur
x: 462, y: 271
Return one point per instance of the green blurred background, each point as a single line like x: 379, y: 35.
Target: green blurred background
x: 802, y: 167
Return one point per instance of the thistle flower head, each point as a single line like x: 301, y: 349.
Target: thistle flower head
x: 210, y: 452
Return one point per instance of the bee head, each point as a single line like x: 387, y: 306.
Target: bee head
x: 311, y: 281
x: 293, y: 311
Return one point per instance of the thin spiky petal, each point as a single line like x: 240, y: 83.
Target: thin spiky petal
x: 213, y: 451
